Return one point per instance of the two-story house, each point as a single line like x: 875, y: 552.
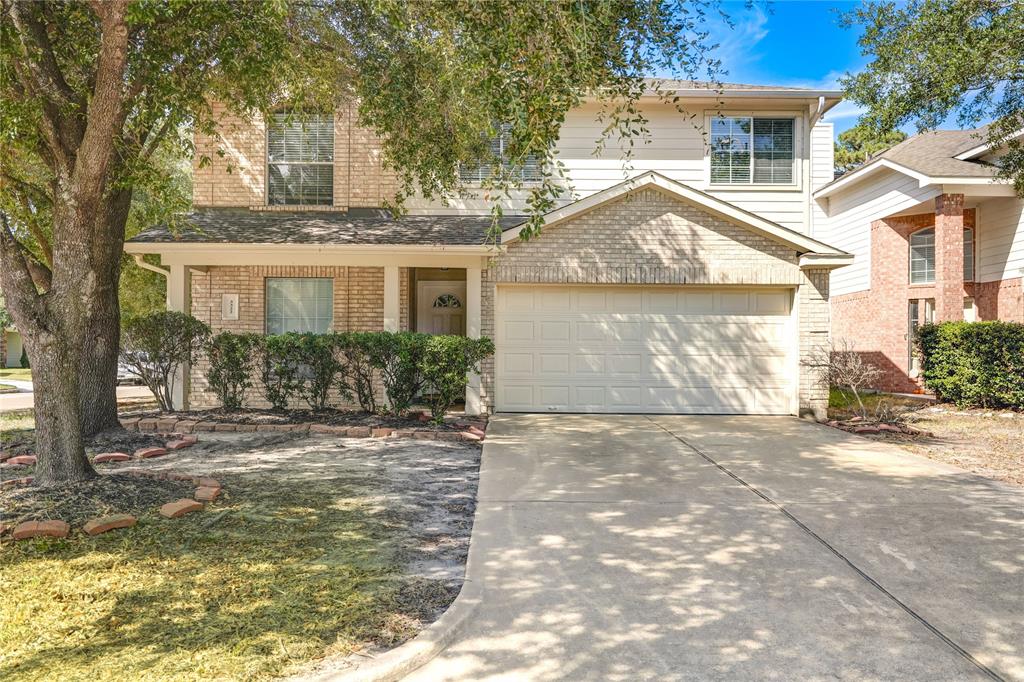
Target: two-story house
x: 936, y: 237
x: 685, y: 281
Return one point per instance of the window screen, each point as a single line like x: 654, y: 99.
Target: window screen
x: 300, y: 159
x: 968, y: 255
x: 922, y: 257
x: 476, y: 173
x: 747, y: 150
x: 299, y: 304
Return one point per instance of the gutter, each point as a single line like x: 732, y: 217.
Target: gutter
x: 138, y: 258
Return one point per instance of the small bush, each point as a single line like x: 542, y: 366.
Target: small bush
x: 357, y: 376
x: 398, y: 357
x: 974, y: 364
x: 446, y: 362
x: 318, y: 367
x: 157, y: 345
x: 277, y: 360
x: 231, y: 366
x: 23, y: 360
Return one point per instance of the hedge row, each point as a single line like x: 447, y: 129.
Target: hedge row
x: 974, y: 364
x: 307, y: 366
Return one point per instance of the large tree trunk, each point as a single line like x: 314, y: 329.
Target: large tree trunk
x: 98, y: 377
x: 56, y: 357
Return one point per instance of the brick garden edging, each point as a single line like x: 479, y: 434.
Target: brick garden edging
x: 473, y: 430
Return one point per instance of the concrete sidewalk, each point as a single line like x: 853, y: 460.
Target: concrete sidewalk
x: 608, y: 548
x: 16, y: 402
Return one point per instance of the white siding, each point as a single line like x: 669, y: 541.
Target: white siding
x: 823, y: 154
x: 1000, y: 239
x: 676, y: 150
x: 850, y: 214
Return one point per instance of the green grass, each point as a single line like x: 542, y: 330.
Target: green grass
x: 7, y: 388
x: 259, y: 584
x: 25, y: 374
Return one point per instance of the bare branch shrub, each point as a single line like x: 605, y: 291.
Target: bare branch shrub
x: 842, y: 366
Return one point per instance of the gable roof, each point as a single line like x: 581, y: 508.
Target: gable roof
x: 796, y: 240
x: 932, y: 157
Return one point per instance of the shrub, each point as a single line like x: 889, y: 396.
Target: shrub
x: 23, y: 360
x: 398, y: 357
x: 231, y: 366
x: 157, y: 345
x: 445, y: 364
x: 277, y: 359
x: 841, y: 366
x: 318, y: 367
x: 974, y: 363
x: 357, y: 370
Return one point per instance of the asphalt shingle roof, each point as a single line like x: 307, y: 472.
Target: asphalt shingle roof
x: 932, y: 153
x: 242, y: 226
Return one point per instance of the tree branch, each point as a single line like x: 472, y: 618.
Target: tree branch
x: 18, y: 284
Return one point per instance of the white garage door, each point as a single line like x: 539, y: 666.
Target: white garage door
x: 644, y: 349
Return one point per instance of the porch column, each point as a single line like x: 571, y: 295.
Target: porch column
x: 392, y: 309
x: 179, y: 299
x: 473, y: 305
x: 949, y: 257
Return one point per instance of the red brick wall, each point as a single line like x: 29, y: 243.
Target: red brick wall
x: 875, y: 322
x: 1000, y: 300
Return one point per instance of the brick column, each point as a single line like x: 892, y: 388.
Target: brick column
x: 949, y: 257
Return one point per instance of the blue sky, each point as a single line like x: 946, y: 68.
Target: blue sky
x: 795, y: 43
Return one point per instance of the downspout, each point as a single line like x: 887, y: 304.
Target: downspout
x: 139, y: 260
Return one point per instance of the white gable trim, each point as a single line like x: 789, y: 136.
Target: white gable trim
x: 799, y: 242
x: 922, y: 180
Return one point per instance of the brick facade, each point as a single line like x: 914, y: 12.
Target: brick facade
x: 876, y: 322
x: 229, y: 167
x: 358, y: 306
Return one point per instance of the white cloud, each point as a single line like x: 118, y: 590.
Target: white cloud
x: 736, y: 44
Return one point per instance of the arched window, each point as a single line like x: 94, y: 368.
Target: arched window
x: 922, y: 256
x: 447, y: 301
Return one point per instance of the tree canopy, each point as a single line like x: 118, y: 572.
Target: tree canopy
x: 858, y: 144
x: 932, y: 59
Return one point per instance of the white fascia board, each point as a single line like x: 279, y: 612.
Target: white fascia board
x: 831, y: 261
x: 980, y: 149
x: 867, y: 170
x: 796, y: 240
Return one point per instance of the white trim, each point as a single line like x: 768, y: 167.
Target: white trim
x: 922, y: 179
x: 980, y: 149
x: 825, y: 260
x: 179, y: 299
x: 791, y: 238
x: 798, y: 118
x: 392, y: 308
x: 474, y: 306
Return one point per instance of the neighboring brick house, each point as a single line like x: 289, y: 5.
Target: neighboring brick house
x: 692, y: 285
x: 936, y: 237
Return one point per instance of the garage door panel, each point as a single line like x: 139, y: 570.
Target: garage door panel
x: 644, y: 349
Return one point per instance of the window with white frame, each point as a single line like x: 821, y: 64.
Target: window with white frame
x: 747, y: 150
x: 300, y: 159
x: 968, y: 255
x: 922, y: 256
x: 299, y: 304
x: 529, y: 171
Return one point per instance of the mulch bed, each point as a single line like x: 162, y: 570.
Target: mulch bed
x: 76, y: 503
x: 329, y: 417
x: 113, y: 440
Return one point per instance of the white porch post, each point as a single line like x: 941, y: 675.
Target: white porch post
x: 179, y: 299
x: 473, y: 305
x: 392, y: 312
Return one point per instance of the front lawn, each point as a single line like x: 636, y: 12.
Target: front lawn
x: 22, y: 373
x: 317, y: 546
x: 986, y: 442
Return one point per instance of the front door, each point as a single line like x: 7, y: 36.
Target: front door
x: 440, y: 307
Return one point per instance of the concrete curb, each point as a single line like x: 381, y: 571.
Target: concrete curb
x: 417, y: 652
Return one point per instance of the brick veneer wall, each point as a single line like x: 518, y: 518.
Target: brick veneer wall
x: 650, y: 237
x: 358, y: 306
x: 1000, y: 300
x: 237, y: 178
x: 875, y: 322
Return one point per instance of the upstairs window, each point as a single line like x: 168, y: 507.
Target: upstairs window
x: 300, y: 159
x: 474, y: 174
x: 747, y: 150
x: 922, y: 257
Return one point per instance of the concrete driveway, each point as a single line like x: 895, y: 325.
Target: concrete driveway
x: 669, y: 548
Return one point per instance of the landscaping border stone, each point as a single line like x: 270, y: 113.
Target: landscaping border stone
x: 472, y: 430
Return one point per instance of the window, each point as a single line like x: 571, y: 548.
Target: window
x: 915, y: 320
x: 299, y: 304
x: 300, y: 159
x: 922, y: 257
x: 447, y: 301
x: 968, y: 255
x: 477, y: 173
x: 746, y: 150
